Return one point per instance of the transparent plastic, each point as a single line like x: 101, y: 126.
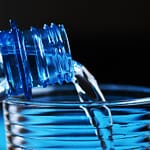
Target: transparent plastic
x: 35, y: 57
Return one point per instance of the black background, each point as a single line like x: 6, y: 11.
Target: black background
x: 111, y: 38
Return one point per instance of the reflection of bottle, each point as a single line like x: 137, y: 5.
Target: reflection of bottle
x: 36, y: 57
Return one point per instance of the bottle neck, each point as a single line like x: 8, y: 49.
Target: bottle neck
x: 36, y: 57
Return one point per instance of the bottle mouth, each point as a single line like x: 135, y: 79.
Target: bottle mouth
x: 35, y: 57
x: 66, y: 96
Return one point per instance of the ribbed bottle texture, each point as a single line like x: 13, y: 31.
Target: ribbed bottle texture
x: 35, y: 57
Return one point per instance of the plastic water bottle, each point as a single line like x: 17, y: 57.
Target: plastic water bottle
x: 35, y: 57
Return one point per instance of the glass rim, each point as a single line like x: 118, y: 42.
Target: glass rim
x: 104, y: 87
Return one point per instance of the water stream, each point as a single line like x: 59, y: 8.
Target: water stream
x: 89, y: 91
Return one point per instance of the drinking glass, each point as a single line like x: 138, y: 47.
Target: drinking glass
x: 56, y: 119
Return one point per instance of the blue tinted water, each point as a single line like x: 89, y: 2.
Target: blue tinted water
x: 2, y: 132
x: 60, y: 122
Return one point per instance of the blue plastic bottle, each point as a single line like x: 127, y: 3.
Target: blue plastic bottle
x: 35, y: 57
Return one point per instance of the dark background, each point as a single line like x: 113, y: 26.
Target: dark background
x: 111, y: 38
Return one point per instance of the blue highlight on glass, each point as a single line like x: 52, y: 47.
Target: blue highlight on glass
x: 35, y: 57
